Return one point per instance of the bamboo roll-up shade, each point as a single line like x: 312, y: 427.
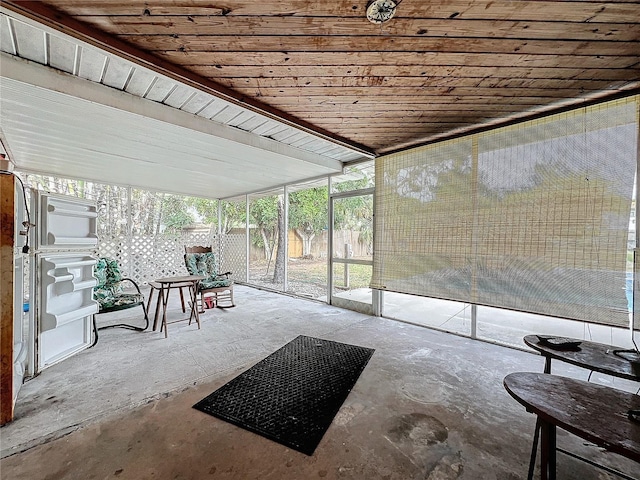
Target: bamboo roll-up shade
x: 533, y: 217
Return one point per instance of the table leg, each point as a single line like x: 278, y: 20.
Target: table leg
x: 193, y: 293
x: 534, y: 450
x: 165, y: 301
x: 547, y: 450
x: 547, y: 364
x: 182, y: 300
x: 157, y: 315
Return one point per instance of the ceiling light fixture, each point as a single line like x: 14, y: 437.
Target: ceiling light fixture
x: 380, y: 11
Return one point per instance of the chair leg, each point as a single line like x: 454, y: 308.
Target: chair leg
x: 95, y: 331
x: 201, y: 302
x: 123, y: 325
x: 146, y: 316
x: 226, y: 295
x: 150, y: 297
x: 158, y: 305
x: 131, y: 327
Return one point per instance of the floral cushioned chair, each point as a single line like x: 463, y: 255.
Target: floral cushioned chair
x: 216, y: 286
x: 111, y: 296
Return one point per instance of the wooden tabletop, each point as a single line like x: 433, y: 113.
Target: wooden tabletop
x: 184, y: 278
x: 593, y: 412
x: 594, y: 356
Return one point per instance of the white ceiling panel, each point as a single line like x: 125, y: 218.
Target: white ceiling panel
x: 91, y: 64
x: 227, y: 114
x: 213, y: 108
x: 198, y: 102
x: 7, y: 40
x: 116, y: 73
x: 179, y: 96
x: 67, y: 136
x: 62, y: 54
x: 29, y: 42
x: 76, y: 111
x: 161, y: 89
x: 140, y: 82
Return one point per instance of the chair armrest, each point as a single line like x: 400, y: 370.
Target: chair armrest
x: 225, y: 274
x: 133, y: 282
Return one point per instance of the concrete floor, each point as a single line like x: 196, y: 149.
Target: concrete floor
x: 429, y: 405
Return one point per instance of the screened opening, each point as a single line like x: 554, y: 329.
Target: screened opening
x: 533, y: 217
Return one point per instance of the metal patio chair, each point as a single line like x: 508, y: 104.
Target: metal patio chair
x: 112, y: 297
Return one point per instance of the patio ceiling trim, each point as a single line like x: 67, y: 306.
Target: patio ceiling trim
x: 33, y: 74
x: 76, y: 128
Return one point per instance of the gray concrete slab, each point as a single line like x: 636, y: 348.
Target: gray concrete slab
x: 429, y: 405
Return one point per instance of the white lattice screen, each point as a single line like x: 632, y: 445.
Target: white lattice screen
x: 144, y: 258
x: 233, y: 256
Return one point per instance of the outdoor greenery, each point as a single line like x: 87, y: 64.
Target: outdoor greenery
x: 153, y: 213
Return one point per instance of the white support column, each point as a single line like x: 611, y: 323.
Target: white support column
x: 330, y: 244
x: 248, y: 240
x: 129, y: 239
x: 285, y: 286
x: 219, y: 231
x: 474, y: 321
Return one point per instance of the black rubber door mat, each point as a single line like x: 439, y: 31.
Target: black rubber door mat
x: 292, y: 395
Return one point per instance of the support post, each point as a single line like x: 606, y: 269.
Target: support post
x: 7, y: 240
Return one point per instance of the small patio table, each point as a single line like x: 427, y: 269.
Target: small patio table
x: 598, y: 357
x: 167, y: 283
x: 596, y: 413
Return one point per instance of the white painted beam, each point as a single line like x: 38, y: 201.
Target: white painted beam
x: 44, y: 77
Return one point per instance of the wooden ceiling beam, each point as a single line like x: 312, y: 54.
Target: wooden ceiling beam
x: 413, y: 28
x: 454, y: 10
x: 421, y: 82
x: 400, y: 59
x: 389, y: 46
x: 428, y: 99
x: 283, y: 72
x: 381, y: 91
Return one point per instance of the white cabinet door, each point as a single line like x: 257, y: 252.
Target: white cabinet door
x: 66, y: 238
x: 66, y: 305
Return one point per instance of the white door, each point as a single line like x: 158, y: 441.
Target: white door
x: 66, y: 239
x: 351, y: 247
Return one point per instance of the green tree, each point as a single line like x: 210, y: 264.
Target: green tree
x: 264, y: 217
x: 278, y: 269
x: 308, y: 214
x: 355, y: 213
x: 233, y: 216
x: 175, y: 215
x: 206, y: 209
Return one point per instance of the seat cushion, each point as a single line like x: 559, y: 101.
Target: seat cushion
x: 121, y: 300
x: 210, y: 283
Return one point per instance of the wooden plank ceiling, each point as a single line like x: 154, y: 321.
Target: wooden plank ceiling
x: 437, y: 69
